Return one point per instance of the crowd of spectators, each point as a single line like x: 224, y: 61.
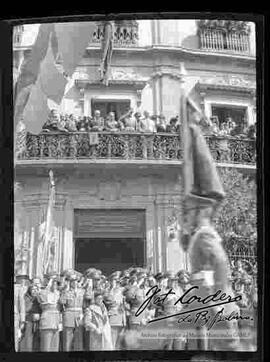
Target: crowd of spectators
x: 113, y: 300
x: 228, y: 128
x: 129, y: 122
x: 137, y: 122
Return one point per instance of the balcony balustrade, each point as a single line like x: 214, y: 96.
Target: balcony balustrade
x: 125, y: 34
x: 131, y: 146
x: 221, y: 35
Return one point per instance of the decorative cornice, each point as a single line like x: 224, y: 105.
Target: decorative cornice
x: 171, y: 74
x: 228, y: 83
x: 117, y: 76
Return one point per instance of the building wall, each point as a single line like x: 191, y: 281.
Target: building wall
x: 159, y: 196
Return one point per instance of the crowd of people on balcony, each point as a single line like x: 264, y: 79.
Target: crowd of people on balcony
x: 89, y: 311
x: 137, y: 122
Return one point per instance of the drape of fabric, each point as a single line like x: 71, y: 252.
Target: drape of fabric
x: 48, y: 233
x: 107, y: 49
x: 206, y: 181
x: 20, y: 140
x: 30, y: 69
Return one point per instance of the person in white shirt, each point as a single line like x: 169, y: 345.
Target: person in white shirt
x: 147, y: 124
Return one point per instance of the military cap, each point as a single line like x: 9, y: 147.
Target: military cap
x: 159, y: 276
x: 36, y: 281
x: 141, y: 275
x: 74, y: 276
x: 98, y: 292
x: 170, y: 275
x: 115, y: 275
x: 183, y: 274
x: 96, y: 275
x: 90, y: 272
x: 51, y: 275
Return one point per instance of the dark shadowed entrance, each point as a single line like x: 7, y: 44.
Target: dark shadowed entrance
x: 109, y: 240
x: 109, y: 255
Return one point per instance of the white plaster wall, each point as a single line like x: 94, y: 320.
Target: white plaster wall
x: 147, y: 99
x: 145, y: 35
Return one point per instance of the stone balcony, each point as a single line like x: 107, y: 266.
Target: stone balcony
x: 125, y: 34
x: 224, y: 36
x: 130, y: 147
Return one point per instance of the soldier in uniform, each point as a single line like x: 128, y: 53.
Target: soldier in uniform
x: 30, y: 338
x: 114, y: 301
x: 72, y: 302
x: 134, y: 297
x: 19, y: 308
x: 48, y: 298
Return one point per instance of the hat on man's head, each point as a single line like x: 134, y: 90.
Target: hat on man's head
x: 98, y: 292
x: 183, y: 274
x: 171, y: 276
x: 52, y: 275
x: 90, y: 272
x: 75, y: 275
x: 115, y: 275
x: 159, y: 276
x: 36, y: 280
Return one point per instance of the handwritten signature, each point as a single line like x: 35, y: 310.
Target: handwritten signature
x: 186, y: 299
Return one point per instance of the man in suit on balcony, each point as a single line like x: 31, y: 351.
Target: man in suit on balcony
x: 97, y: 124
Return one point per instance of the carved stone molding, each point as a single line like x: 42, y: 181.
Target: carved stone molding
x: 226, y: 82
x: 169, y: 73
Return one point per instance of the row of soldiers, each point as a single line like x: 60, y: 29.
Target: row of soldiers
x: 87, y: 312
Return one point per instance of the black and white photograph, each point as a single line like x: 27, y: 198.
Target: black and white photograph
x: 135, y: 192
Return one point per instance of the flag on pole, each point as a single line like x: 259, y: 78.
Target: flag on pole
x: 202, y: 186
x: 52, y: 81
x: 30, y: 70
x: 47, y: 237
x: 40, y: 72
x: 73, y: 39
x: 107, y: 49
x: 36, y: 110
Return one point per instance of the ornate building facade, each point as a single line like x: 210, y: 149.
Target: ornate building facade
x: 119, y: 197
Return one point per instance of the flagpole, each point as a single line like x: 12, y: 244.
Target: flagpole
x: 183, y: 129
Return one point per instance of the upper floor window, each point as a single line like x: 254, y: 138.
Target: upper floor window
x: 17, y: 34
x: 125, y: 33
x: 224, y: 35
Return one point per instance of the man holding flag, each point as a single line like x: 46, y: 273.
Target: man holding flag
x: 203, y: 193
